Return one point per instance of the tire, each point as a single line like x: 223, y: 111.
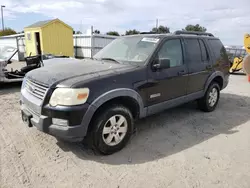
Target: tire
x: 211, y: 98
x: 108, y: 118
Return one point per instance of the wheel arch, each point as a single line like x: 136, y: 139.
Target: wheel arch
x: 127, y: 97
x: 217, y: 77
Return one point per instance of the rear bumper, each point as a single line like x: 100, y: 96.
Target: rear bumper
x: 72, y: 133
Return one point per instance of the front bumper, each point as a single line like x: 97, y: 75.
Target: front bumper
x: 44, y: 123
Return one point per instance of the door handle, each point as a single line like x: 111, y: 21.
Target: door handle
x: 181, y: 72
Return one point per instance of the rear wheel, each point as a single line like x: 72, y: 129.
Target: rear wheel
x: 112, y: 129
x: 210, y: 100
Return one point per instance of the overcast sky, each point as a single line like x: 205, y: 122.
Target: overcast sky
x: 227, y: 19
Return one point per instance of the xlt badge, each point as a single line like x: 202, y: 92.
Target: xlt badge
x: 155, y: 95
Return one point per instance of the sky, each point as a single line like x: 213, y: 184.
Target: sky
x: 227, y: 19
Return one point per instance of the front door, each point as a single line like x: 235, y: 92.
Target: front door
x: 199, y: 64
x: 169, y: 83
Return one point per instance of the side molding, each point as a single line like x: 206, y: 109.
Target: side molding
x: 173, y: 103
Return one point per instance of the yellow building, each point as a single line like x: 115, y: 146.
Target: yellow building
x: 51, y: 36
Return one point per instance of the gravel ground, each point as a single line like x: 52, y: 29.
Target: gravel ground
x: 182, y: 147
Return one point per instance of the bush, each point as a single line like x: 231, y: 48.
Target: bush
x: 7, y: 31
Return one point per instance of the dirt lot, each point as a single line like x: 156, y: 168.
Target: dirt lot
x: 178, y: 148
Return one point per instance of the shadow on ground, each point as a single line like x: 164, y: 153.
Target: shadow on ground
x: 8, y: 88
x: 172, y: 131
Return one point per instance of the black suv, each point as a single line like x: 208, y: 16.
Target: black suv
x: 132, y: 77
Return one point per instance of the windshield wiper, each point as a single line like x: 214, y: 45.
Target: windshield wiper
x: 110, y: 59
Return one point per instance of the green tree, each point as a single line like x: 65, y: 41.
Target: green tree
x: 196, y: 27
x: 114, y: 33
x: 96, y: 31
x: 7, y: 31
x: 132, y: 32
x: 161, y: 29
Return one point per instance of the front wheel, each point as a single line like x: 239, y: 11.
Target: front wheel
x: 210, y: 100
x: 112, y: 129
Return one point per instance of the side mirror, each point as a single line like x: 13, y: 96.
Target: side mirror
x: 161, y: 64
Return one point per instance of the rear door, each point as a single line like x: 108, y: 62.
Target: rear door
x: 199, y: 64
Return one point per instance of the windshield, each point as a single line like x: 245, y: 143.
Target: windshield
x: 129, y: 49
x: 7, y: 52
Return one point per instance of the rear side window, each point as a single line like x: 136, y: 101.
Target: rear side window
x: 218, y: 49
x: 193, y: 50
x: 204, y: 54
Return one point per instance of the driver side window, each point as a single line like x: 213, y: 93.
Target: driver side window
x: 172, y: 50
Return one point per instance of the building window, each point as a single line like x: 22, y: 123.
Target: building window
x: 28, y: 36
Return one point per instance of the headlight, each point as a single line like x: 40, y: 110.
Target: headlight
x: 69, y: 96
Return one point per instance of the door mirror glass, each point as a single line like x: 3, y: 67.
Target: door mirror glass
x: 162, y: 63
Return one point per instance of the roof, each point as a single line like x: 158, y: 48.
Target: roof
x: 39, y: 24
x: 46, y: 22
x: 13, y: 36
x: 234, y: 46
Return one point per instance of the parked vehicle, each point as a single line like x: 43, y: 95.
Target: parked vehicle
x: 6, y: 54
x: 237, y: 55
x: 32, y: 62
x: 131, y: 78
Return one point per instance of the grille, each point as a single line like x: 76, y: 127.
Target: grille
x: 35, y: 89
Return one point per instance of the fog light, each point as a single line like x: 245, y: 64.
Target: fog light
x: 61, y: 122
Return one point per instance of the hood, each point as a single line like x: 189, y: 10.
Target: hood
x: 54, y: 61
x: 48, y: 75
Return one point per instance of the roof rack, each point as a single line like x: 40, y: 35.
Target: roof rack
x: 179, y: 32
x: 150, y: 32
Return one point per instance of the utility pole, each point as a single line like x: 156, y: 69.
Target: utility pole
x: 92, y: 42
x: 157, y: 22
x: 2, y: 6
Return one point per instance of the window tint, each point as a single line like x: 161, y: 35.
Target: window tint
x: 218, y: 48
x: 193, y: 50
x: 172, y: 50
x: 204, y: 54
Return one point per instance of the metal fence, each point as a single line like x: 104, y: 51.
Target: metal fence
x: 85, y: 46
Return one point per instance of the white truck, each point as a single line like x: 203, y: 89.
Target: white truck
x: 32, y: 62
